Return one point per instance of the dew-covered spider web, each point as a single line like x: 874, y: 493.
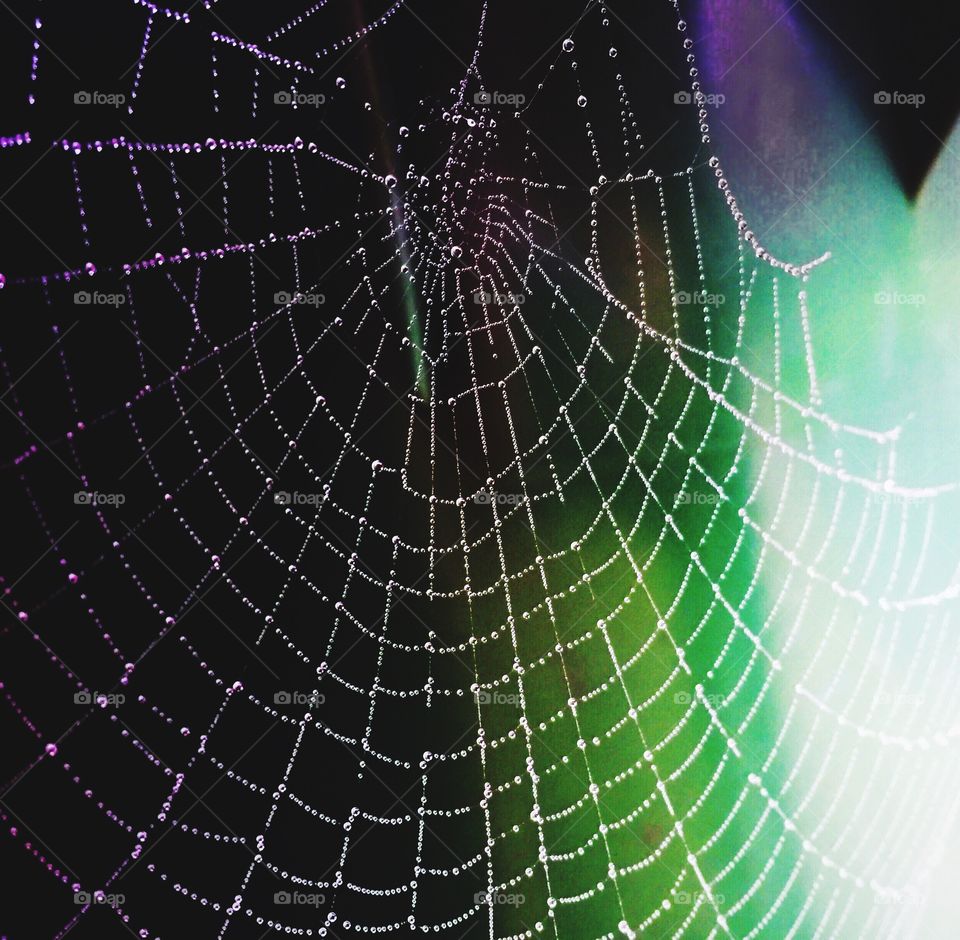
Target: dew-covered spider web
x: 424, y: 514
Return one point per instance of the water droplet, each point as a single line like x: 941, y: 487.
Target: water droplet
x: 568, y: 45
x: 582, y: 101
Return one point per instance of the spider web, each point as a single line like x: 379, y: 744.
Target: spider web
x: 471, y: 550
